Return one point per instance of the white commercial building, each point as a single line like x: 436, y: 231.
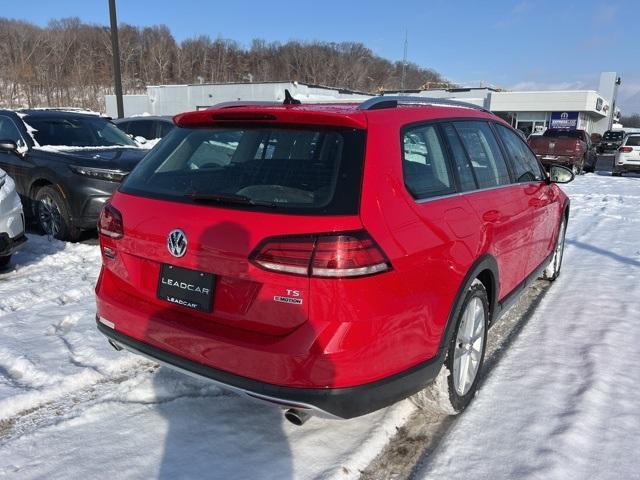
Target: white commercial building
x: 531, y: 111
x: 173, y: 99
x: 590, y: 110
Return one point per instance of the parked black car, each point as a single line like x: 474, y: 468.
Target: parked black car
x: 611, y: 141
x: 148, y: 127
x: 65, y: 165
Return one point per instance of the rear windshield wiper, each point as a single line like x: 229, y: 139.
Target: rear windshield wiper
x: 228, y: 198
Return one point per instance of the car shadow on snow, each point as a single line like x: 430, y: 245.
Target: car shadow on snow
x: 229, y: 435
x: 212, y: 433
x: 607, y: 253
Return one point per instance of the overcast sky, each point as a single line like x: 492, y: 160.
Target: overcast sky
x: 527, y: 44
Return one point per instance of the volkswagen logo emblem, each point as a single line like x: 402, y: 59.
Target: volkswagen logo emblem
x: 177, y: 243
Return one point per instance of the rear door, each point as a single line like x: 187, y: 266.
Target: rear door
x: 500, y: 204
x: 228, y: 190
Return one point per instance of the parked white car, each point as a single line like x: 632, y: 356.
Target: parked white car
x: 11, y: 219
x: 627, y: 156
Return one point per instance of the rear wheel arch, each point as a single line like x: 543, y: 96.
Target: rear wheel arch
x: 485, y: 269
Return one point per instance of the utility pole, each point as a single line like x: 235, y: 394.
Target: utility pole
x: 404, y: 60
x: 115, y: 48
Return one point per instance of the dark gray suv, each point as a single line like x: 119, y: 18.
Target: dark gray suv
x: 65, y: 165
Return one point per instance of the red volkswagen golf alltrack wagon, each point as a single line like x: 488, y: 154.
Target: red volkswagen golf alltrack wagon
x: 329, y: 259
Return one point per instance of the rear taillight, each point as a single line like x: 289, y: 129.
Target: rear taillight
x: 110, y: 222
x: 625, y: 149
x: 348, y: 254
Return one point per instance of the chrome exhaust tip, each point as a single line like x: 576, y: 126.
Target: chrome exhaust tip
x: 297, y: 417
x: 116, y: 346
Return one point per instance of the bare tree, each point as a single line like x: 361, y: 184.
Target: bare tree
x: 68, y: 63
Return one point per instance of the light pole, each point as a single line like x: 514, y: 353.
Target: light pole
x: 115, y: 48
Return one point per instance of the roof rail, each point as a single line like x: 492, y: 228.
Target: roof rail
x: 247, y: 103
x: 392, y: 101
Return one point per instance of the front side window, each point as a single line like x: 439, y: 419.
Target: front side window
x: 424, y: 165
x: 9, y: 131
x: 482, y: 148
x: 525, y: 165
x: 280, y: 169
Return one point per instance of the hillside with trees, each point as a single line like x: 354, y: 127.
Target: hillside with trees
x: 68, y: 63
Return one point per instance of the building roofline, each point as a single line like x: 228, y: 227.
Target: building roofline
x: 270, y: 82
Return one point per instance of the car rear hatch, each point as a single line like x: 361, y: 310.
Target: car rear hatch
x: 555, y: 146
x: 219, y: 222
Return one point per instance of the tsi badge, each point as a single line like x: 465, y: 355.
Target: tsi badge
x: 177, y: 243
x: 293, y: 297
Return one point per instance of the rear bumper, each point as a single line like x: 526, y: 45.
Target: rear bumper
x: 9, y: 245
x: 343, y: 403
x: 626, y: 167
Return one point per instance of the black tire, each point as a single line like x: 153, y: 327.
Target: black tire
x: 577, y: 168
x: 443, y: 396
x: 553, y: 269
x: 4, y: 262
x: 616, y: 174
x: 52, y: 215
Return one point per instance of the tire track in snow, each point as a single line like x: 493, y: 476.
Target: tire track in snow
x: 423, y: 432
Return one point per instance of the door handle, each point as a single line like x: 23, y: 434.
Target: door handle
x: 491, y: 216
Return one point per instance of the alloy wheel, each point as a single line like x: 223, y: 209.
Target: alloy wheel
x: 469, y: 346
x: 49, y: 216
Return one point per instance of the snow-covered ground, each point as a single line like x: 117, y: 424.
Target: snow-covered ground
x: 72, y: 407
x: 560, y: 404
x: 563, y: 403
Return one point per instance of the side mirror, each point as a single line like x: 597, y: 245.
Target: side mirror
x: 560, y: 174
x: 8, y: 146
x: 140, y: 140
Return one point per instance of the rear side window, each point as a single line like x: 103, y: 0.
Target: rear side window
x: 487, y: 161
x: 525, y: 165
x: 305, y: 170
x: 424, y: 165
x: 460, y: 160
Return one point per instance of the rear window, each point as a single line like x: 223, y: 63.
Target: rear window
x: 302, y: 170
x: 554, y: 132
x: 633, y: 141
x: 613, y: 135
